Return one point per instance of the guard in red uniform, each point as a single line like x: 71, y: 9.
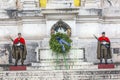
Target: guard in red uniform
x: 19, y: 49
x: 103, y: 48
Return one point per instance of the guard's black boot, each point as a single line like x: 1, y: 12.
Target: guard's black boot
x: 22, y: 63
x: 15, y: 63
x: 106, y: 62
x: 100, y: 61
x: 111, y: 61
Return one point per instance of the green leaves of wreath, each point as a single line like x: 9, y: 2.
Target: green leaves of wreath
x: 56, y: 46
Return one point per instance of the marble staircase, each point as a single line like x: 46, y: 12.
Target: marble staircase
x: 113, y: 74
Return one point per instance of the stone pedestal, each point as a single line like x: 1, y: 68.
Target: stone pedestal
x: 106, y: 66
x: 48, y: 60
x: 17, y: 68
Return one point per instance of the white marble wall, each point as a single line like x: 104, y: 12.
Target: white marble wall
x: 7, y: 4
x: 8, y: 31
x: 82, y: 36
x: 75, y: 53
x: 34, y: 30
x: 86, y: 30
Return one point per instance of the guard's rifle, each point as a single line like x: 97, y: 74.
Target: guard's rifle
x: 11, y: 38
x: 106, y: 45
x: 4, y: 50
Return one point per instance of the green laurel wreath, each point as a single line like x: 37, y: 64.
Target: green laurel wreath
x: 55, y: 46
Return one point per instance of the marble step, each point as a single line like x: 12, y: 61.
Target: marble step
x: 30, y: 4
x: 61, y: 59
x: 59, y: 0
x: 28, y: 0
x: 61, y: 66
x: 58, y: 6
x: 29, y: 11
x: 60, y: 3
x: 113, y: 74
x: 55, y: 67
x: 62, y: 63
x: 91, y: 1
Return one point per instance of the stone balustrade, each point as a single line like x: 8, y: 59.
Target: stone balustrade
x: 30, y: 5
x: 92, y: 4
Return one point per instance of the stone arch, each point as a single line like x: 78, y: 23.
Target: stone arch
x: 61, y: 25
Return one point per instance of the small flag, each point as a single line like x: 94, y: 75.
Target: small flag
x: 43, y: 3
x: 77, y: 3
